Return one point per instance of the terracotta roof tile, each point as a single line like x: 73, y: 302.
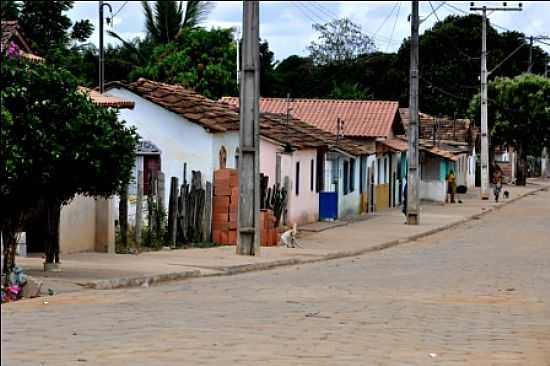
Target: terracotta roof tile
x: 219, y: 117
x: 106, y: 100
x: 362, y: 118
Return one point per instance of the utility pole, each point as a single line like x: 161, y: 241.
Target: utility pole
x: 101, y: 58
x: 248, y: 233
x: 484, y: 114
x: 413, y: 212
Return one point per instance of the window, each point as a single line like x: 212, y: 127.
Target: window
x: 297, y: 183
x: 311, y: 175
x: 352, y: 175
x: 346, y: 177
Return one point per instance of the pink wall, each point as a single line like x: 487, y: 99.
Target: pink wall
x: 304, y: 207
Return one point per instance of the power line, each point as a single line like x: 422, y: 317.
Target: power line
x: 386, y: 19
x: 323, y: 10
x: 312, y: 12
x: 304, y: 12
x: 393, y: 29
x: 120, y: 9
x: 326, y: 10
x: 434, y: 12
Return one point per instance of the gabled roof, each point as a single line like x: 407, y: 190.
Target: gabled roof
x: 441, y: 150
x: 362, y: 118
x: 11, y: 32
x: 220, y: 117
x: 106, y: 100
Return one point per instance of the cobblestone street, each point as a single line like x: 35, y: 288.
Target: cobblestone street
x: 478, y: 294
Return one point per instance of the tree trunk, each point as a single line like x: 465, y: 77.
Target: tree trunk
x: 123, y: 215
x: 9, y: 240
x: 521, y: 173
x: 52, y: 217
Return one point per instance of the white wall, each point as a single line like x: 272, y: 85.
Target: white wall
x: 432, y: 190
x: 179, y: 140
x: 77, y: 228
x: 348, y: 204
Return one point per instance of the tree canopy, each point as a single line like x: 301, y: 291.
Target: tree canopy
x: 200, y: 59
x: 56, y: 143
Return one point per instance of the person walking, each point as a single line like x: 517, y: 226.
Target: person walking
x: 497, y: 181
x: 451, y: 186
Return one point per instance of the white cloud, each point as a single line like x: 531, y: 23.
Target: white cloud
x: 287, y: 24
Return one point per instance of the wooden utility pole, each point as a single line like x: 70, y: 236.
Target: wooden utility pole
x: 248, y: 233
x: 484, y: 113
x: 139, y: 209
x: 413, y: 212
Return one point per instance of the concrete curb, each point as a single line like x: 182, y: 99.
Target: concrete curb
x: 146, y: 281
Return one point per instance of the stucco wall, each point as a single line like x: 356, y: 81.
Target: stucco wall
x: 348, y: 204
x: 179, y: 140
x: 304, y: 206
x: 77, y: 226
x: 432, y: 190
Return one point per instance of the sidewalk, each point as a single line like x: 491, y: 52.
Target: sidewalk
x: 381, y: 230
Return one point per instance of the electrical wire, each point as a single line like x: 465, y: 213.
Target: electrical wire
x: 386, y: 19
x: 393, y: 29
x: 304, y: 12
x: 120, y: 9
x: 321, y: 20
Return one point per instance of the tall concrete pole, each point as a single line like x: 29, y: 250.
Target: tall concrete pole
x: 413, y: 214
x: 248, y: 231
x: 484, y: 114
x: 484, y: 124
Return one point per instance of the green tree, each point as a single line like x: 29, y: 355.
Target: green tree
x: 267, y: 69
x: 203, y: 60
x: 348, y: 90
x: 340, y: 40
x: 294, y: 75
x: 450, y: 63
x: 9, y: 10
x: 56, y: 144
x: 519, y: 115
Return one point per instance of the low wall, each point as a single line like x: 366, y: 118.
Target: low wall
x: 433, y: 190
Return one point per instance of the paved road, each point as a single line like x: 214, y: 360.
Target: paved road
x: 475, y: 295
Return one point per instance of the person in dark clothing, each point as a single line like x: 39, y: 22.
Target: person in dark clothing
x: 405, y: 200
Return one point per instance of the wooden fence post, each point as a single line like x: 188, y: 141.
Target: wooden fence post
x: 173, y: 211
x: 139, y: 209
x: 123, y: 215
x: 207, y: 217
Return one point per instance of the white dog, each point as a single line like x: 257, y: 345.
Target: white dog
x: 288, y: 238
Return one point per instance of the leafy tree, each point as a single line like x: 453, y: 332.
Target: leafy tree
x: 294, y: 75
x: 348, y: 90
x: 203, y: 60
x: 267, y: 66
x: 82, y: 30
x: 450, y: 63
x: 339, y: 40
x: 9, y: 10
x: 519, y: 115
x: 56, y: 144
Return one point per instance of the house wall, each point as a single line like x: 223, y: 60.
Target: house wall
x: 348, y: 204
x: 433, y: 173
x: 77, y: 226
x: 304, y: 206
x: 179, y: 140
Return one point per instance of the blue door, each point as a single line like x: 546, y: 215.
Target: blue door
x: 328, y: 205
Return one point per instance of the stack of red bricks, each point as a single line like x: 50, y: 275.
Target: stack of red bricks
x: 224, y: 212
x: 268, y: 232
x: 224, y: 206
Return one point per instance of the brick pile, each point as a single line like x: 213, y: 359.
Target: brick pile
x: 224, y: 206
x: 224, y: 212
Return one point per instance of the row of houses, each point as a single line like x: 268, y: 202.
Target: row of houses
x: 337, y: 158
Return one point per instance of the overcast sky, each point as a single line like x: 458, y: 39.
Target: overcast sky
x: 287, y: 25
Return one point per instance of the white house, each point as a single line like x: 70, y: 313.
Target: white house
x: 186, y: 129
